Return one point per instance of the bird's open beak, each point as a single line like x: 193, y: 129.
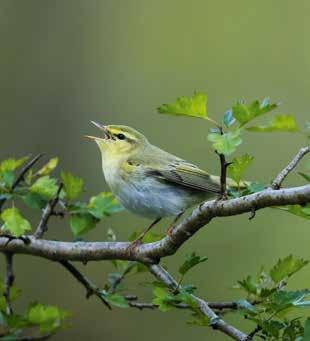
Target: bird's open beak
x: 103, y: 129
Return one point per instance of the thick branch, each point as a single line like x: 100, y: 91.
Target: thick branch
x: 276, y: 184
x: 148, y: 253
x: 215, y: 321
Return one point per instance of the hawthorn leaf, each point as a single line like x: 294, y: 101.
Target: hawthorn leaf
x: 45, y: 187
x: 195, y: 106
x: 49, y: 318
x: 12, y: 164
x: 14, y: 222
x: 116, y: 300
x: 301, y: 211
x: 48, y: 167
x: 238, y: 166
x: 228, y: 118
x: 104, y: 204
x: 81, y: 223
x: 191, y: 261
x: 162, y: 299
x: 279, y: 123
x: 227, y: 143
x: 306, y: 336
x: 73, y: 186
x: 244, y: 113
x: 286, y: 267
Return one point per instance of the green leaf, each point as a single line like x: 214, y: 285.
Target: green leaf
x: 150, y: 237
x: 73, y: 185
x: 48, y: 318
x: 280, y: 123
x: 282, y: 299
x: 245, y: 113
x: 162, y: 299
x: 191, y: 261
x: 195, y: 106
x: 34, y: 200
x: 305, y: 176
x: 14, y: 222
x: 48, y: 167
x: 286, y: 267
x: 227, y: 143
x: 81, y: 223
x: 238, y: 166
x: 14, y: 294
x: 301, y: 211
x: 104, y: 204
x: 306, y: 336
x: 116, y: 300
x: 12, y: 164
x: 45, y: 187
x: 7, y: 179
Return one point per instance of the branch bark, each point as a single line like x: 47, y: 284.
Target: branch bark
x: 9, y: 280
x: 152, y: 252
x: 276, y: 184
x: 215, y: 321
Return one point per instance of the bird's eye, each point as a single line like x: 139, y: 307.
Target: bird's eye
x: 121, y: 136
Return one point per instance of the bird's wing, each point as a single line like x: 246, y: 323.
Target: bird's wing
x: 190, y: 176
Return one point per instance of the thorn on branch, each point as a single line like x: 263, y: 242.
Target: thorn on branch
x: 252, y: 213
x: 47, y: 212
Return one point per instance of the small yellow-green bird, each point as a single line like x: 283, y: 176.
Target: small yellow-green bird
x: 147, y: 180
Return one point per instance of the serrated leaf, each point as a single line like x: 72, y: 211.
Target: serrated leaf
x: 227, y: 143
x: 48, y: 318
x: 191, y: 261
x: 45, y: 187
x: 81, y: 223
x: 245, y: 113
x: 73, y: 186
x: 238, y: 166
x: 34, y: 200
x: 116, y: 300
x: 281, y: 300
x: 14, y: 294
x: 286, y: 267
x: 162, y: 299
x: 104, y: 204
x: 298, y: 210
x: 150, y: 237
x: 48, y: 167
x: 195, y: 106
x: 279, y: 123
x: 12, y: 164
x: 14, y: 222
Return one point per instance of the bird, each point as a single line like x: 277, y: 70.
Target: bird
x: 148, y: 181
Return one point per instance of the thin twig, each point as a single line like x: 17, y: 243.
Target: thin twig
x: 47, y: 212
x: 21, y: 176
x: 223, y: 177
x: 215, y: 321
x: 277, y: 182
x: 91, y: 289
x: 142, y: 305
x: 9, y: 280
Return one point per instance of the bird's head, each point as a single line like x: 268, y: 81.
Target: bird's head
x: 117, y: 140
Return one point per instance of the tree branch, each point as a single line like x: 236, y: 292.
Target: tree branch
x: 215, y: 321
x: 9, y: 280
x: 47, y: 212
x: 277, y: 182
x: 152, y: 252
x: 91, y: 289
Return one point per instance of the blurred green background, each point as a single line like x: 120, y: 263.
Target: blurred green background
x: 64, y: 63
